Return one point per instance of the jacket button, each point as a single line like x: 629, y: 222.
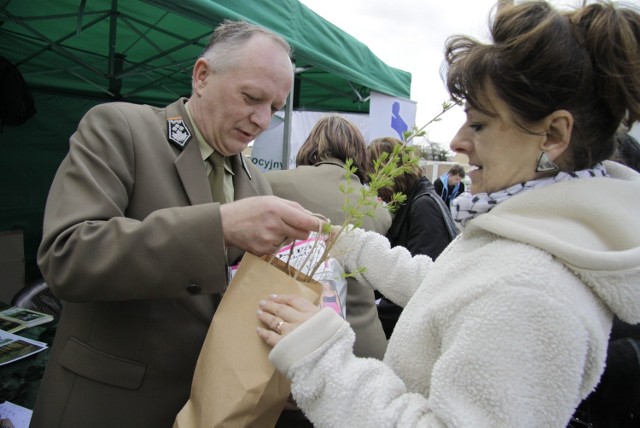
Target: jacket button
x: 194, y: 288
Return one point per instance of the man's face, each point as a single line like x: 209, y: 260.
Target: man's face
x: 454, y: 179
x: 233, y: 105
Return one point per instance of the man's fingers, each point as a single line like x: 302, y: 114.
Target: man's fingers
x: 299, y: 219
x: 260, y: 224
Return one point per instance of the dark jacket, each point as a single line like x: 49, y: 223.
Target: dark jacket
x: 616, y: 400
x: 423, y: 225
x: 448, y: 193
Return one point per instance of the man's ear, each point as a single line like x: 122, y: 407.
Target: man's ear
x: 559, y: 126
x: 201, y: 71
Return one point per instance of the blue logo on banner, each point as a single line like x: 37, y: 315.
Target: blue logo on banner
x: 397, y: 123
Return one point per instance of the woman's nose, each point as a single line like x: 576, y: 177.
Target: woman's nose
x: 460, y: 142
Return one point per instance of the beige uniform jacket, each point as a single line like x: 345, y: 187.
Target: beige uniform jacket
x: 133, y: 245
x: 317, y: 188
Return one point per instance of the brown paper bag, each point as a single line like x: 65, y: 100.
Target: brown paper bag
x: 234, y: 384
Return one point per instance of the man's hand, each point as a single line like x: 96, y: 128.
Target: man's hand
x: 262, y: 224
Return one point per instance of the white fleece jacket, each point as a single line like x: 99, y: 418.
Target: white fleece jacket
x: 508, y: 329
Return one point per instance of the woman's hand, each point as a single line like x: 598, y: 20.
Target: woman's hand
x: 282, y: 314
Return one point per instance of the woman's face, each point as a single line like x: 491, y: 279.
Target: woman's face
x: 500, y: 153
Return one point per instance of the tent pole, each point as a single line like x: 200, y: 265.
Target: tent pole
x: 286, y: 135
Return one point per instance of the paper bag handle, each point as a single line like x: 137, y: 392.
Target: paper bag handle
x: 293, y: 244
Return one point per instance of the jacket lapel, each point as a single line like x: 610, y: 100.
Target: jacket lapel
x: 243, y: 182
x: 190, y: 168
x: 189, y: 164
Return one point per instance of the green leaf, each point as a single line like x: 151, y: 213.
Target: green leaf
x: 385, y: 170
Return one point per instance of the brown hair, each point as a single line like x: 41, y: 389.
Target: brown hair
x: 333, y: 136
x: 585, y: 61
x: 457, y: 170
x: 403, y: 183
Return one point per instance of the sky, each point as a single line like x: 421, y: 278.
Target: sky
x: 410, y: 35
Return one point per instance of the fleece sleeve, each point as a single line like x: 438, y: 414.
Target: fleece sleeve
x: 392, y: 271
x: 488, y: 374
x: 326, y: 377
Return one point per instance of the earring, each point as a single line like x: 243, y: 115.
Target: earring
x: 545, y: 164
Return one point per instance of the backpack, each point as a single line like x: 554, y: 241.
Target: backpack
x: 615, y: 402
x: 16, y: 102
x: 452, y: 229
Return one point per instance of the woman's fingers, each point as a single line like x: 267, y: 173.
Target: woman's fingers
x: 282, y: 314
x: 270, y: 337
x: 289, y: 307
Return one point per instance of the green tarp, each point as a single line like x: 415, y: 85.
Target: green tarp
x: 78, y: 53
x: 142, y: 51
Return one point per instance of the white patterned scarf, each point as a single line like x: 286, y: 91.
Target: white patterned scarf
x: 467, y: 206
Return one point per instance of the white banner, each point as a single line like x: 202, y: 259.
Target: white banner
x: 266, y: 153
x: 635, y: 131
x: 390, y: 116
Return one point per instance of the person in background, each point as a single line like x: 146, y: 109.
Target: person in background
x: 315, y: 183
x: 137, y: 239
x: 627, y: 151
x: 616, y: 400
x: 449, y: 186
x: 509, y: 327
x: 422, y: 224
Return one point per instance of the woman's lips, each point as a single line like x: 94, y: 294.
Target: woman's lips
x: 474, y: 170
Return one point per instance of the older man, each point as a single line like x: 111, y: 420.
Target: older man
x: 144, y: 217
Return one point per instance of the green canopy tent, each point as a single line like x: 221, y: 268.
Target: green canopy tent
x: 143, y: 50
x: 78, y: 53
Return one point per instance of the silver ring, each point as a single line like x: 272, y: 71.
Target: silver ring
x: 278, y: 328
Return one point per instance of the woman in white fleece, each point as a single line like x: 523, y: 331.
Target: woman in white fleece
x: 509, y: 327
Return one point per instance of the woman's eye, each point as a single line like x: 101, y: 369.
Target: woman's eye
x: 476, y: 126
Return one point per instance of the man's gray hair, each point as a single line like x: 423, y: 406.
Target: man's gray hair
x: 229, y: 36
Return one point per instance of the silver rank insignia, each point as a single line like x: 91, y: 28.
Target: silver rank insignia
x: 178, y: 131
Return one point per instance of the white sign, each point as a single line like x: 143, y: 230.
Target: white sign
x: 635, y: 131
x: 267, y: 148
x: 390, y: 116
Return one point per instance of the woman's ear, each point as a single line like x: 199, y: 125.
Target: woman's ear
x: 201, y: 71
x: 559, y: 126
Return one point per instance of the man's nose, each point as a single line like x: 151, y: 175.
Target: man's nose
x: 262, y: 117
